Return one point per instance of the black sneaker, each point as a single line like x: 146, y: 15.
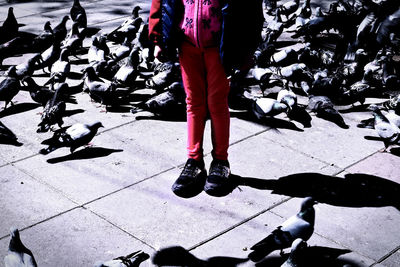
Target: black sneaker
x: 192, y: 179
x: 218, y: 183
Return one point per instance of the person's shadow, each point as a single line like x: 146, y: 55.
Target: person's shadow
x: 354, y: 190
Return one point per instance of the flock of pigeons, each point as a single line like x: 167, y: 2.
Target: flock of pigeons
x: 348, y: 53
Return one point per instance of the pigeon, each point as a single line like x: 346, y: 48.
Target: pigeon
x: 98, y: 50
x: 74, y: 41
x: 164, y: 74
x: 287, y: 97
x: 270, y: 107
x: 73, y: 136
x: 325, y: 109
x: 284, y: 57
x: 42, y: 94
x: 49, y: 56
x: 359, y: 90
x: 60, y: 69
x: 387, y: 130
x: 274, y: 28
x: 295, y: 73
x: 9, y: 87
x: 123, y: 50
x: 300, y: 225
x: 28, y: 67
x: 99, y: 90
x: 60, y: 31
x: 179, y: 256
x: 297, y: 248
x: 289, y: 7
x: 44, y: 40
x: 78, y: 14
x: 9, y: 29
x: 7, y: 136
x: 314, y: 26
x: 132, y: 260
x: 18, y: 255
x: 130, y: 24
x: 10, y: 48
x: 52, y: 113
x: 128, y: 72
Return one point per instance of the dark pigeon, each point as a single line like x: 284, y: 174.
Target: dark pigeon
x: 53, y: 112
x: 78, y: 14
x: 73, y: 136
x: 324, y: 108
x: 9, y: 87
x: 7, y: 136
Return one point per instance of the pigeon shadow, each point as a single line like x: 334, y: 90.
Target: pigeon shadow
x: 395, y: 151
x: 179, y: 256
x: 271, y: 122
x: 75, y: 75
x: 358, y: 108
x: 18, y: 108
x: 86, y: 153
x: 354, y: 190
x: 10, y: 142
x: 313, y: 256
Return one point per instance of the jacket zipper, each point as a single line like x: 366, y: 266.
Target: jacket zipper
x: 196, y: 21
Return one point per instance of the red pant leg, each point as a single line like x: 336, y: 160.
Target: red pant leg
x: 217, y: 102
x: 193, y: 75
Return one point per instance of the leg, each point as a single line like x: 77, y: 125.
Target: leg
x: 217, y: 101
x: 193, y: 76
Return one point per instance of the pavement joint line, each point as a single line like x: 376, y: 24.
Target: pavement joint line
x: 387, y: 256
x: 239, y: 224
x: 118, y: 227
x: 44, y: 220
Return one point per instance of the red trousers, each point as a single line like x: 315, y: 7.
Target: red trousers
x: 207, y: 89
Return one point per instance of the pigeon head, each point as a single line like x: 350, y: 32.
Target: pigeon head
x: 307, y: 211
x: 308, y: 203
x: 96, y: 125
x: 12, y: 71
x: 47, y: 26
x: 15, y: 241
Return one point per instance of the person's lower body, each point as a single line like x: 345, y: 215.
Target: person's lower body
x: 207, y: 90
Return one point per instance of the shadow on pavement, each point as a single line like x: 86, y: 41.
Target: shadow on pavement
x: 18, y: 108
x: 313, y: 256
x: 86, y: 153
x: 179, y: 256
x: 355, y: 190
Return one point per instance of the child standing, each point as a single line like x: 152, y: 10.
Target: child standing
x: 195, y: 27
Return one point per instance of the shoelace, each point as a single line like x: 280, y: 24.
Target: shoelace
x: 190, y: 170
x: 220, y: 170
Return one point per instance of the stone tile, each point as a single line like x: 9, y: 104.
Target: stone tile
x: 151, y: 212
x: 264, y: 158
x: 77, y: 238
x: 381, y: 164
x: 327, y: 142
x: 359, y: 229
x: 237, y: 242
x: 393, y: 260
x: 25, y: 201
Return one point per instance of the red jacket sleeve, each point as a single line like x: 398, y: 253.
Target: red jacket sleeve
x: 155, y: 28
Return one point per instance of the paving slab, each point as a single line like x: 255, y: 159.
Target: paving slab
x: 24, y: 201
x: 393, y: 260
x: 360, y: 229
x: 382, y: 164
x: 77, y: 238
x: 237, y: 242
x: 158, y: 217
x: 327, y: 142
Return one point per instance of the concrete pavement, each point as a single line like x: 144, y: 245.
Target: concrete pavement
x: 115, y: 198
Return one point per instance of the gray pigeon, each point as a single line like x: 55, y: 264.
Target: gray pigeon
x: 18, y: 255
x: 300, y: 225
x: 287, y: 97
x: 78, y: 14
x: 9, y: 29
x: 60, y: 69
x: 99, y: 90
x: 49, y: 56
x: 387, y: 130
x: 74, y: 41
x: 44, y: 40
x: 270, y: 107
x: 127, y: 73
x: 132, y: 260
x: 325, y: 109
x: 73, y: 136
x: 9, y: 87
x: 60, y: 31
x: 53, y: 112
